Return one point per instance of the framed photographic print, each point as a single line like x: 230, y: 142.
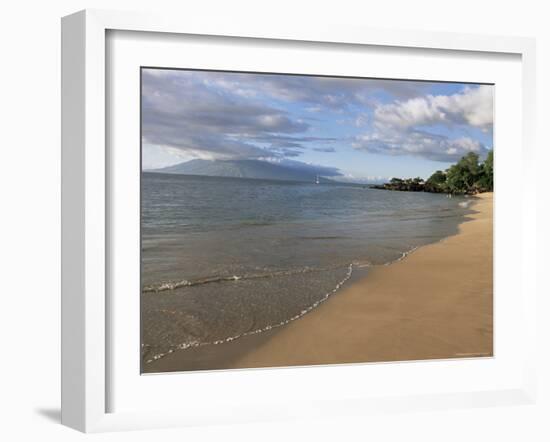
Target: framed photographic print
x: 275, y: 207
x: 292, y: 222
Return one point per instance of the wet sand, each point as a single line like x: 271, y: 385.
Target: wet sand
x: 436, y: 303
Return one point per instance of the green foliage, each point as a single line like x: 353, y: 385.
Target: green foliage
x: 467, y: 176
x: 408, y: 184
x: 436, y: 183
x: 463, y: 176
x: 486, y: 179
x: 396, y: 181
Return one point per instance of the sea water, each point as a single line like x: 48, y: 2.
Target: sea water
x: 223, y: 258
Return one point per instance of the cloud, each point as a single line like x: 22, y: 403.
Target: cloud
x: 277, y: 140
x: 324, y: 149
x: 369, y: 179
x: 473, y: 106
x: 216, y: 115
x: 402, y: 127
x: 332, y: 92
x: 309, y: 168
x: 419, y: 144
x: 319, y: 93
x: 180, y: 111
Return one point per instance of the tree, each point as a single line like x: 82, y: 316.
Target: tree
x: 468, y: 176
x: 486, y: 179
x: 396, y: 181
x: 436, y: 183
x: 462, y: 176
x: 416, y: 184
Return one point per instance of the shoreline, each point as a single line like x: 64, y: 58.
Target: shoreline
x: 435, y: 303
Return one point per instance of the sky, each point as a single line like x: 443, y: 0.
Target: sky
x: 349, y: 129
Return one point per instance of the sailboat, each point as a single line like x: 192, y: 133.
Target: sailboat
x: 317, y: 179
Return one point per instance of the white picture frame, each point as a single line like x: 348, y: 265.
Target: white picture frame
x: 85, y: 211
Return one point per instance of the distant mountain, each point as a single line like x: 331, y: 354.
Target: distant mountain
x: 255, y: 169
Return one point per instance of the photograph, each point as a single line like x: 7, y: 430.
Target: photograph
x: 303, y: 220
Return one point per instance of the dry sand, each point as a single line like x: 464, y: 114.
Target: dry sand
x: 435, y: 303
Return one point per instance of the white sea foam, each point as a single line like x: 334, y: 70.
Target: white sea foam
x: 260, y: 330
x: 403, y: 256
x: 305, y: 311
x: 173, y: 285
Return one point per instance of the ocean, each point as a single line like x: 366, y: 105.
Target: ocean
x: 223, y: 258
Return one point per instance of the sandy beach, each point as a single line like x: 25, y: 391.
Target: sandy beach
x: 435, y: 303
